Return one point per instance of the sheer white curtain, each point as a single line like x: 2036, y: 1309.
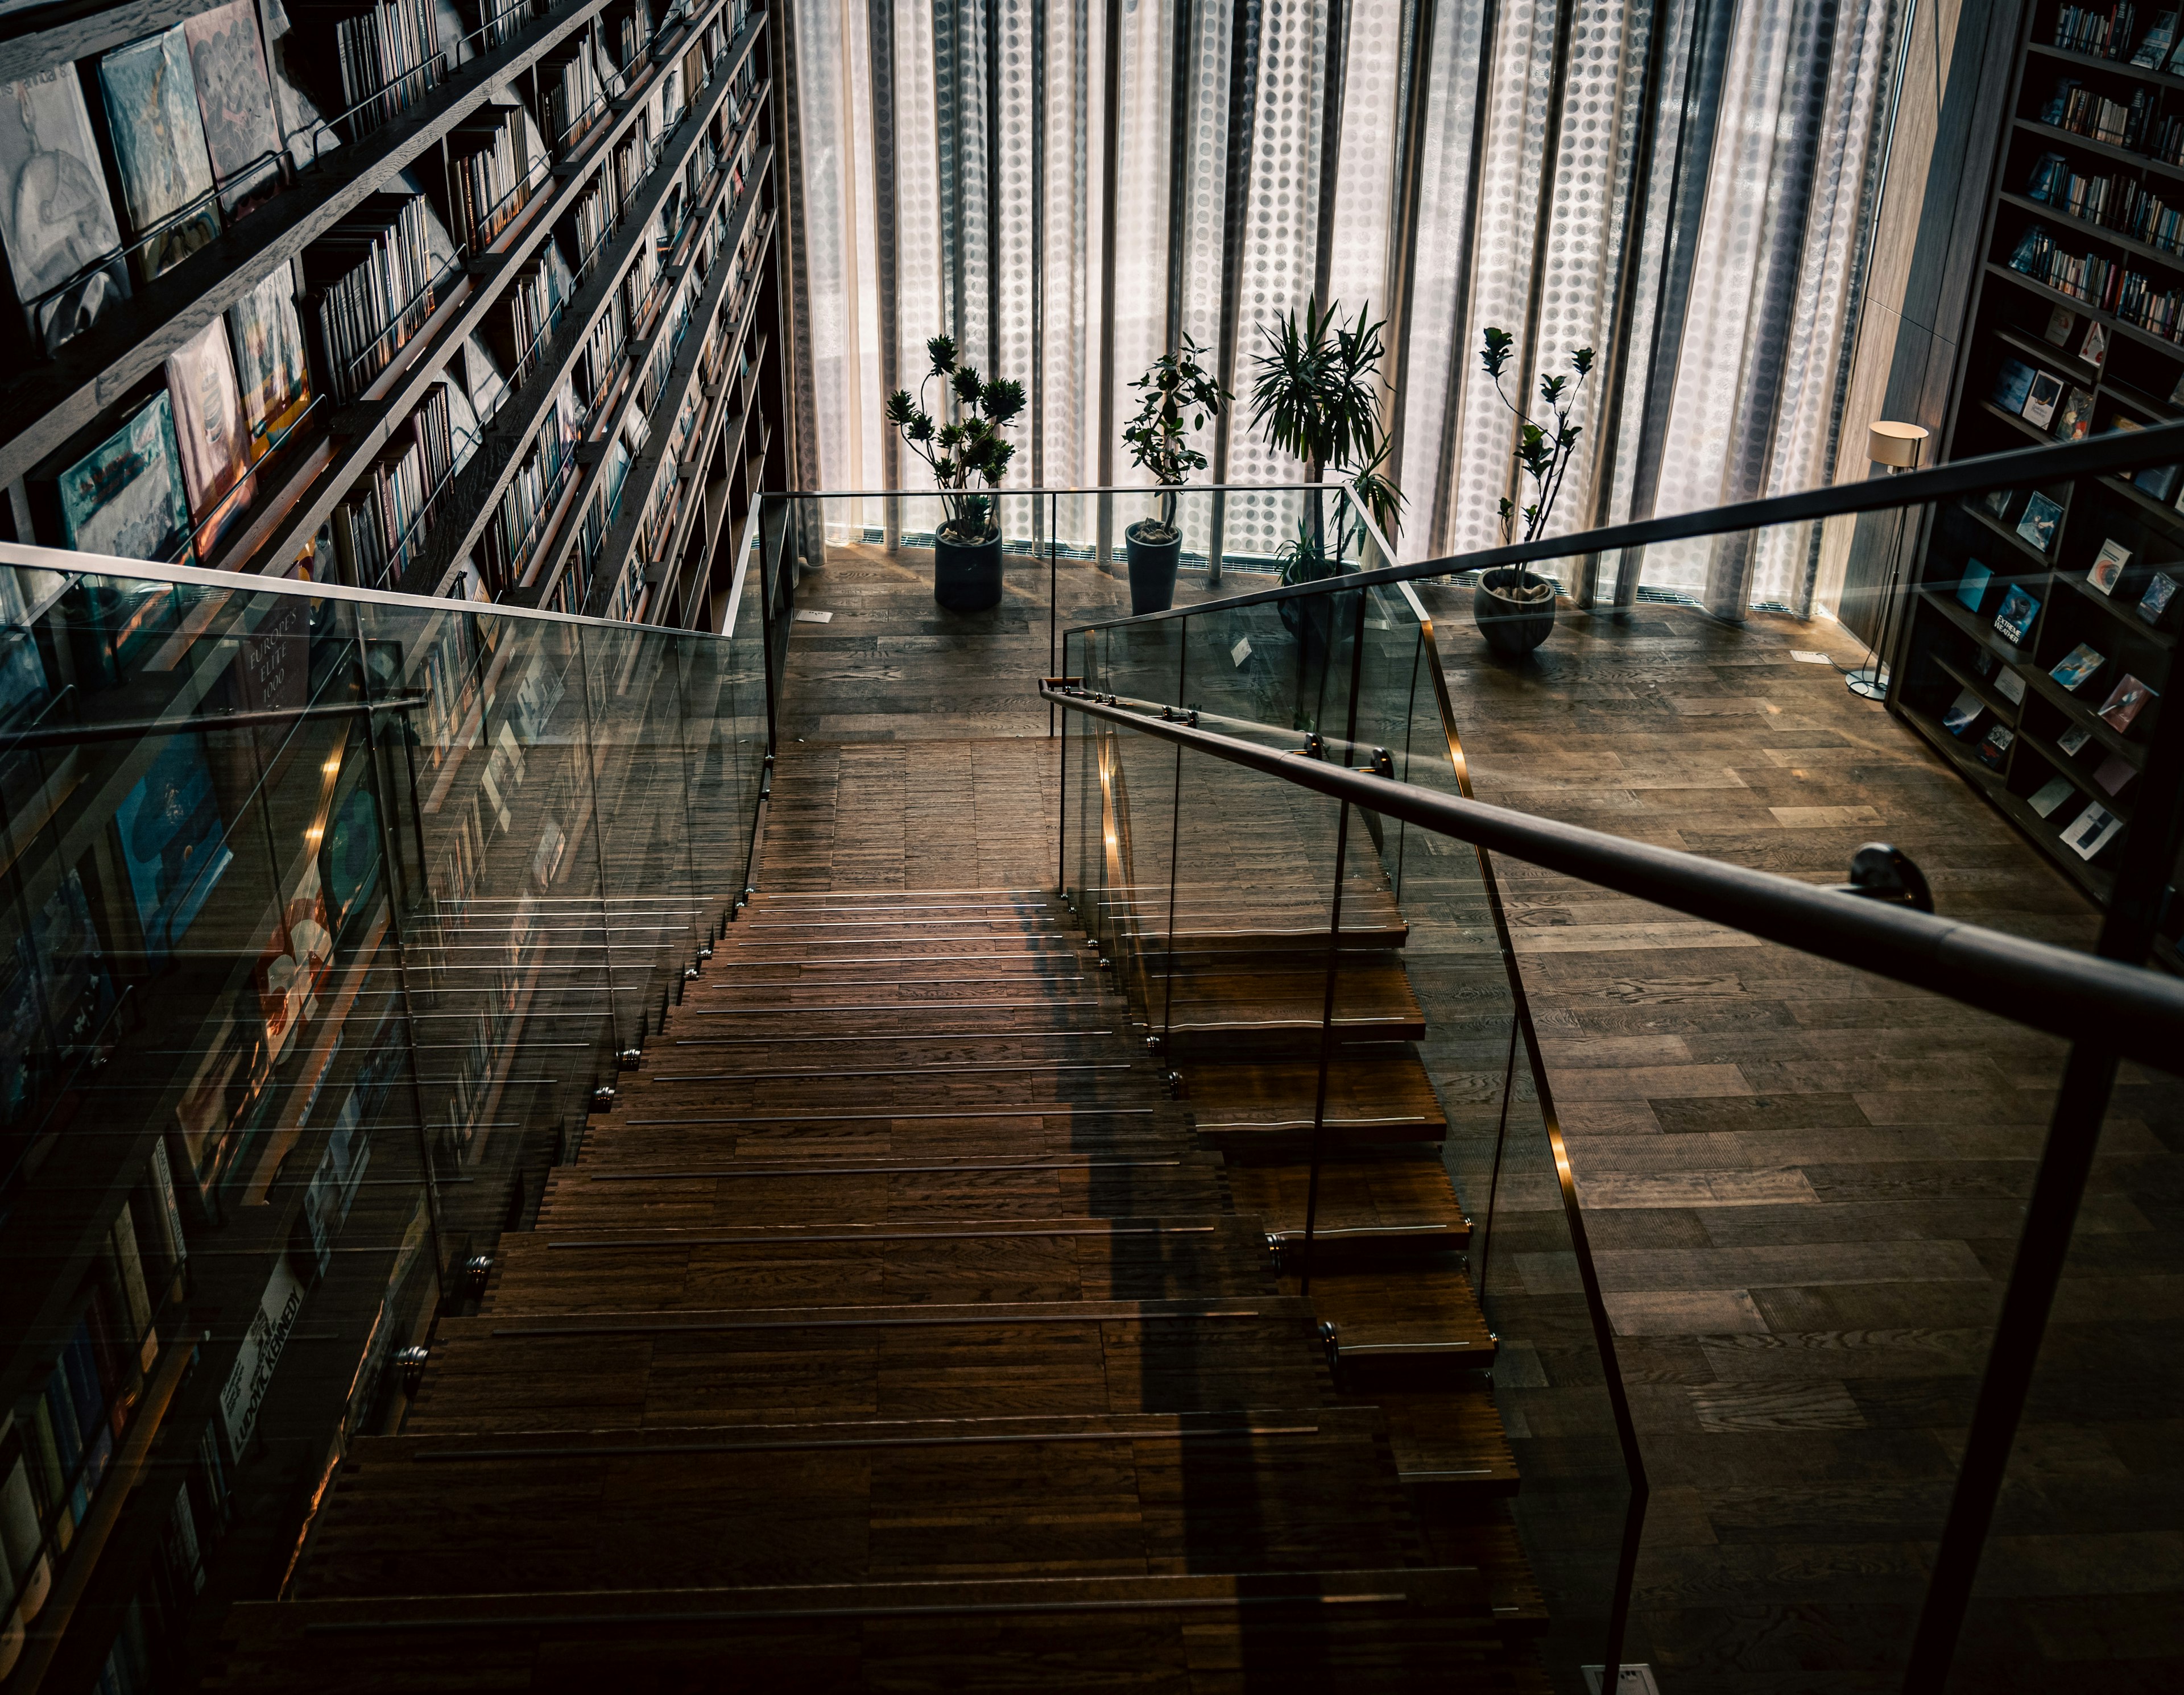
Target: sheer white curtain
x: 961, y: 183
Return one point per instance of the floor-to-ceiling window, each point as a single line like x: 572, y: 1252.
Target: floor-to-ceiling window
x: 1069, y: 187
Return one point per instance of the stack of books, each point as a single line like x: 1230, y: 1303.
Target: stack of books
x: 389, y: 54
x: 382, y: 526
x: 489, y: 178
x: 569, y: 82
x: 2102, y: 32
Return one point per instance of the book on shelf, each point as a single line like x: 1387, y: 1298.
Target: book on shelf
x: 2037, y: 522
x: 173, y: 844
x: 2152, y: 50
x: 2060, y: 322
x: 370, y: 285
x: 2010, y: 685
x: 2095, y: 350
x: 2076, y: 666
x: 1994, y: 752
x: 2015, y: 617
x: 2108, y: 566
x: 209, y: 430
x: 120, y: 494
x: 2013, y: 383
x: 272, y: 368
x: 2125, y: 701
x: 1997, y: 503
x: 2073, y: 740
x: 235, y: 102
x: 2159, y: 591
x: 380, y: 529
x: 1962, y: 712
x: 2050, y: 795
x: 569, y: 85
x: 2042, y: 398
x: 2113, y: 774
x: 2093, y: 830
x: 63, y: 241
x: 2074, y: 418
x: 160, y: 150
x: 386, y: 54
x: 1972, y: 587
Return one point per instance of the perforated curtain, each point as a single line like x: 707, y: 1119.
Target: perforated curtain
x: 1069, y: 187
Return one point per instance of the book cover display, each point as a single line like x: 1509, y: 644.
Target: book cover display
x: 159, y: 137
x: 1972, y: 587
x: 2042, y: 399
x: 63, y: 244
x: 2050, y: 795
x: 126, y: 497
x: 2013, y: 382
x: 2037, y: 525
x: 2125, y: 701
x: 2093, y: 830
x: 172, y: 842
x: 1962, y: 713
x: 2075, y: 417
x: 272, y: 370
x: 2108, y: 566
x: 209, y: 431
x: 235, y: 101
x: 2014, y: 619
x: 2159, y: 593
x: 2076, y: 666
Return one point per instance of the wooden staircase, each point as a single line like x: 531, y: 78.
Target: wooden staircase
x: 894, y: 1328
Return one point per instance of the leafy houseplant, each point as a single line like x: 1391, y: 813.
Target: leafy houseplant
x: 1514, y: 608
x: 1158, y: 442
x: 965, y: 450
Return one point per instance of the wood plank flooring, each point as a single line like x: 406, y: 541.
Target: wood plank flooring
x: 1803, y: 1186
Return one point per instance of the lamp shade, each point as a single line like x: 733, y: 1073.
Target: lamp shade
x: 1894, y: 444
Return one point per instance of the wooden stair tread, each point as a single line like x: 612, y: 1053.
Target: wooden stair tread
x: 1387, y: 1199
x: 1393, y: 1321
x: 1201, y: 1011
x: 1372, y: 1092
x: 1448, y: 1442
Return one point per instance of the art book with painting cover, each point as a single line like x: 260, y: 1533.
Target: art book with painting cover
x: 1994, y: 751
x: 2076, y: 666
x: 63, y: 241
x: 2050, y: 795
x: 2036, y: 524
x: 125, y: 496
x: 2159, y: 593
x: 159, y: 145
x: 2074, y: 739
x: 235, y: 102
x: 2014, y: 619
x: 2107, y: 566
x: 2075, y: 418
x: 2012, y: 383
x: 2093, y: 830
x: 209, y: 429
x: 1964, y: 712
x: 1972, y: 587
x: 272, y: 370
x: 2125, y: 701
x: 2154, y: 45
x: 2042, y: 398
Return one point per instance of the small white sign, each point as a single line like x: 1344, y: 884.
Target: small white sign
x: 1242, y: 650
x: 262, y: 1344
x: 804, y: 617
x: 1631, y: 1679
x: 1805, y: 657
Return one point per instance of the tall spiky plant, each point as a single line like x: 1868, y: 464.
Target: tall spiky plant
x: 969, y: 445
x: 1317, y: 397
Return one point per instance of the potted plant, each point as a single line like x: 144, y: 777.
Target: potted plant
x: 1176, y: 384
x: 1317, y: 397
x: 966, y: 546
x: 1514, y: 609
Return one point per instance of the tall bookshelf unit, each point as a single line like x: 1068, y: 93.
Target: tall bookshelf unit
x: 2039, y: 318
x: 610, y: 319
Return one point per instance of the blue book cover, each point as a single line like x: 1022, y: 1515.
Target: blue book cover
x: 2013, y: 383
x: 2014, y: 620
x: 1972, y: 589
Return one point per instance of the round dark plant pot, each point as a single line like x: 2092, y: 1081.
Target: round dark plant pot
x: 1510, y: 625
x: 966, y: 576
x: 1152, y: 569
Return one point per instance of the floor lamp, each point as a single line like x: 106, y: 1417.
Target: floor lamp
x: 1898, y: 447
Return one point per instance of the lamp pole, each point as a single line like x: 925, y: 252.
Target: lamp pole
x: 1899, y: 446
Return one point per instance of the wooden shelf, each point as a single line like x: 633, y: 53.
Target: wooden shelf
x: 364, y: 429
x: 2130, y: 331
x: 52, y: 400
x: 2101, y: 232
x: 2109, y: 150
x: 2039, y: 348
x: 2065, y: 766
x: 2124, y: 612
x: 2004, y: 533
x: 2137, y: 73
x: 1995, y: 701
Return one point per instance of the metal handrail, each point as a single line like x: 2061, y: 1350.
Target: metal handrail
x: 2158, y: 444
x: 2138, y: 1012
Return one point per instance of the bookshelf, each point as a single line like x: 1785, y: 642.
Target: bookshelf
x: 680, y: 128
x: 2083, y: 236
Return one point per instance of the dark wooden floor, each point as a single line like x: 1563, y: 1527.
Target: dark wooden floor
x: 1803, y: 1186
